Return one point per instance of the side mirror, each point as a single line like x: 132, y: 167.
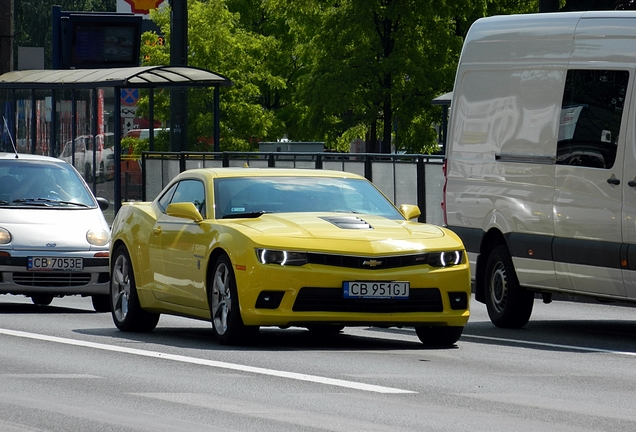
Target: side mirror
x: 185, y: 210
x: 102, y: 202
x: 410, y: 211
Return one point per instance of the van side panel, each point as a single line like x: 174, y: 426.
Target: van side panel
x: 501, y: 170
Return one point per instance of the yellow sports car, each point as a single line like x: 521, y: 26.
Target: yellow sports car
x: 250, y: 247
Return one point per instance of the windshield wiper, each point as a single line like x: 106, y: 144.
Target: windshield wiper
x: 71, y: 203
x: 34, y: 201
x: 46, y: 202
x: 244, y: 215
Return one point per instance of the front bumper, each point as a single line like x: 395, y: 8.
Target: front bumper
x: 282, y: 296
x: 15, y: 278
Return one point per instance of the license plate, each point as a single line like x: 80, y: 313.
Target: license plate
x: 55, y: 264
x: 376, y: 290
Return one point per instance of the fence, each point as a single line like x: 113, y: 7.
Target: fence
x: 404, y: 179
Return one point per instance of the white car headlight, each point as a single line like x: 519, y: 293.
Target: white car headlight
x: 283, y: 258
x: 97, y: 237
x: 5, y: 236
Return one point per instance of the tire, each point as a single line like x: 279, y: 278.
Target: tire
x: 509, y: 305
x: 101, y: 303
x: 225, y: 313
x: 325, y: 329
x: 41, y: 299
x: 437, y: 336
x: 126, y: 310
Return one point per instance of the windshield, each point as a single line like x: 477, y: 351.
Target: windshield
x: 237, y: 197
x: 41, y: 183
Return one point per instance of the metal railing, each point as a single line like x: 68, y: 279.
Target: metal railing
x: 403, y: 178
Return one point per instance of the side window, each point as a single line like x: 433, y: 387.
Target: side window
x: 191, y: 191
x: 167, y: 197
x: 591, y: 114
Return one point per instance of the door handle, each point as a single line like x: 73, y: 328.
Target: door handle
x: 614, y: 181
x: 157, y: 230
x: 631, y: 183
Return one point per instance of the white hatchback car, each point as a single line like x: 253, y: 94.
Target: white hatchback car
x: 54, y: 239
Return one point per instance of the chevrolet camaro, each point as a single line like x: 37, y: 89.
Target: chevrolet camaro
x: 251, y: 247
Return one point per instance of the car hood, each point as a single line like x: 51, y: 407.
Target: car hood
x: 346, y: 233
x: 54, y: 230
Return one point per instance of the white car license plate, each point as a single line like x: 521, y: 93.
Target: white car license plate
x: 376, y: 290
x: 37, y: 263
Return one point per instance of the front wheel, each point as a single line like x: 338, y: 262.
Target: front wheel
x: 438, y: 336
x: 325, y: 329
x: 509, y: 305
x: 126, y: 310
x: 225, y: 312
x: 41, y: 299
x: 101, y: 302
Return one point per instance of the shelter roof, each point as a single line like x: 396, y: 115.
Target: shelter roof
x: 134, y: 77
x: 444, y: 99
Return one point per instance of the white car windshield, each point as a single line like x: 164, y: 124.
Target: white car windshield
x: 42, y: 184
x: 242, y: 197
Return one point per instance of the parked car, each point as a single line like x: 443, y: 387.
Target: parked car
x: 106, y: 142
x: 76, y: 156
x: 54, y: 240
x: 249, y: 247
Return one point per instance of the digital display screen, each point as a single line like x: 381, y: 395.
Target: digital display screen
x: 103, y: 43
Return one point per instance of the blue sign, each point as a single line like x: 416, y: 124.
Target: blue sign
x: 129, y: 96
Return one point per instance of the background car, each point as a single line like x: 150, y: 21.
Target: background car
x: 320, y: 249
x: 54, y: 240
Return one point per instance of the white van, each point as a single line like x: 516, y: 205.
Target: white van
x: 541, y: 159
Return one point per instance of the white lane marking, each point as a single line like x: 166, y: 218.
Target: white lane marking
x: 551, y: 345
x: 210, y: 363
x: 51, y: 376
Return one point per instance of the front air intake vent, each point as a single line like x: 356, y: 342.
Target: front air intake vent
x: 348, y: 222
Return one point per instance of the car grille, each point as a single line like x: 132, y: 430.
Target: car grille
x: 51, y: 279
x: 377, y: 263
x: 331, y: 300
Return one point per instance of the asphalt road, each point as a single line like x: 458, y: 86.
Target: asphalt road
x: 66, y: 368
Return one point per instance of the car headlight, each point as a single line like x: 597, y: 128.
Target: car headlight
x: 5, y: 236
x: 97, y: 237
x: 444, y: 259
x: 283, y: 258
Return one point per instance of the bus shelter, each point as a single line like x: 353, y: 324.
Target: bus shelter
x: 76, y: 115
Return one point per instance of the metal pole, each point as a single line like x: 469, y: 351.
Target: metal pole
x: 117, y: 149
x: 6, y: 36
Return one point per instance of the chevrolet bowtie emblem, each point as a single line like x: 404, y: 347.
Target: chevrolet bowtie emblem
x: 372, y: 263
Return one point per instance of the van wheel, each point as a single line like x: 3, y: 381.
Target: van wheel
x: 509, y: 305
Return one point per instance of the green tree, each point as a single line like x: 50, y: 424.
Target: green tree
x: 373, y: 66
x: 217, y: 42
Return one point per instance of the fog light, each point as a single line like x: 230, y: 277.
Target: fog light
x: 458, y: 300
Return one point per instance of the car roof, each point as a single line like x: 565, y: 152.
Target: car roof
x: 269, y: 172
x: 27, y: 156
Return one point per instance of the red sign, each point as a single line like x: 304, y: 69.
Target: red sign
x: 143, y: 6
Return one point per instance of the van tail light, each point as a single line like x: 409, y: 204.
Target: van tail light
x: 444, y: 171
